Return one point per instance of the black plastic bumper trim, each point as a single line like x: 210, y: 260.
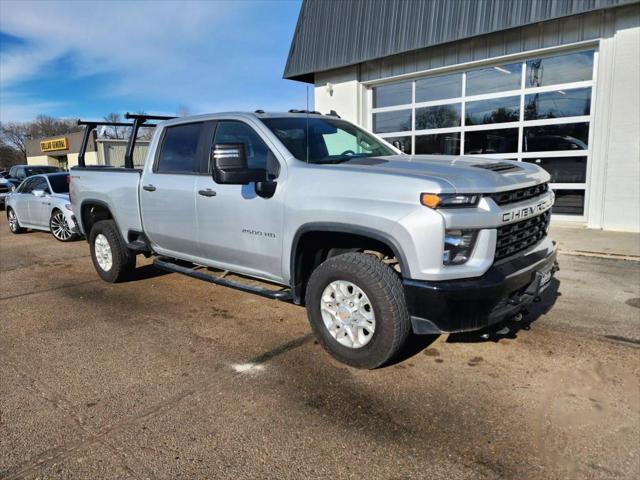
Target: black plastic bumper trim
x: 475, y: 303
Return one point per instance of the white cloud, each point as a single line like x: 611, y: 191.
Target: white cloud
x: 170, y: 49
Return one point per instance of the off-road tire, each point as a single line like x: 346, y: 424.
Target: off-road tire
x: 383, y: 287
x: 123, y: 260
x: 17, y: 229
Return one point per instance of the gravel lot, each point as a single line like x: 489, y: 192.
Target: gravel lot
x: 169, y: 377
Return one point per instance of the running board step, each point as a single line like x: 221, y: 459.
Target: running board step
x: 170, y: 266
x: 138, y: 246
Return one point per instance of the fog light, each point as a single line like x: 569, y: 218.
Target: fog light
x: 458, y: 246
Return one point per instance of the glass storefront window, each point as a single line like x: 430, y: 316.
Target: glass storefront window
x: 441, y: 143
x: 395, y: 121
x: 494, y: 79
x: 401, y: 143
x: 441, y: 116
x: 439, y: 88
x: 561, y: 103
x: 569, y: 202
x: 568, y: 136
x: 544, y: 102
x: 495, y: 110
x: 392, y: 95
x: 572, y: 67
x: 563, y: 169
x: 504, y: 140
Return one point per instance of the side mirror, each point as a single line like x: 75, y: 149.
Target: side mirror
x: 230, y: 165
x: 38, y: 193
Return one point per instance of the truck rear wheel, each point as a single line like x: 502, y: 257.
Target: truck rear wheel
x: 111, y: 258
x: 357, y: 310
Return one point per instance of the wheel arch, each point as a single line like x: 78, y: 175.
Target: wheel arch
x: 320, y: 237
x: 92, y: 211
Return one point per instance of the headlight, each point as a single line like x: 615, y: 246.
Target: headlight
x: 449, y: 200
x: 458, y: 246
x: 68, y: 207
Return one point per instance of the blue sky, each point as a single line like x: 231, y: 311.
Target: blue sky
x: 85, y: 59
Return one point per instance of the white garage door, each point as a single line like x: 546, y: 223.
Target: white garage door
x: 537, y: 110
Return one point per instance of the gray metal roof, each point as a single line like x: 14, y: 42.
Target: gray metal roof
x: 337, y: 33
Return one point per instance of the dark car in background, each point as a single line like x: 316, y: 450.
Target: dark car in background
x: 18, y: 173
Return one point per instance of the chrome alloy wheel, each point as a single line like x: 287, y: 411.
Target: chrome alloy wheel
x: 13, y: 221
x: 348, y: 314
x: 59, y: 227
x: 103, y: 252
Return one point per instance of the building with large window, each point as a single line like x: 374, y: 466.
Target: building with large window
x: 556, y: 83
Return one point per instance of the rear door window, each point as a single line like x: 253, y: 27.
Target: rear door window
x: 180, y: 152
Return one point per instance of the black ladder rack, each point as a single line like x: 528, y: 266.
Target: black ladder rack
x: 139, y: 120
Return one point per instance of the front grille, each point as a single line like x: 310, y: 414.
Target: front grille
x: 521, y: 235
x: 514, y: 196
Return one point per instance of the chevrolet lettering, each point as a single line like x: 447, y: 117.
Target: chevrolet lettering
x: 526, y: 212
x: 314, y: 210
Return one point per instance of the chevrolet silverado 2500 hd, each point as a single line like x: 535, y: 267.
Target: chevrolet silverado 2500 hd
x: 374, y: 242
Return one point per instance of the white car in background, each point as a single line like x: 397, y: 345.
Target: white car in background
x: 41, y: 202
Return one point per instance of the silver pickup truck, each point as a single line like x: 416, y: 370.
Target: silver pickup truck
x: 377, y: 244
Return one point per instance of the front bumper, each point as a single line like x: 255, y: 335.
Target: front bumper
x: 475, y: 303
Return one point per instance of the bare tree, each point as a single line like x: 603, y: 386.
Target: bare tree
x: 10, y: 155
x: 16, y: 134
x: 114, y: 132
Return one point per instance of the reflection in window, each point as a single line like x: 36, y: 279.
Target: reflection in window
x: 441, y: 143
x: 441, y: 116
x: 396, y: 121
x: 561, y: 103
x: 494, y: 79
x: 391, y: 95
x: 570, y: 136
x: 497, y: 110
x: 574, y: 67
x: 569, y: 202
x: 401, y: 143
x: 439, y: 88
x: 504, y: 140
x: 563, y: 169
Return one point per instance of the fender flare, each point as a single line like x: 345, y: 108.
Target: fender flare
x: 338, y: 227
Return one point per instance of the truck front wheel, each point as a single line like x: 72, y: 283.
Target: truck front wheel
x: 111, y: 258
x: 357, y: 309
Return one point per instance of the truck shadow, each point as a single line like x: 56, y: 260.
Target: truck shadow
x: 496, y: 332
x: 145, y: 272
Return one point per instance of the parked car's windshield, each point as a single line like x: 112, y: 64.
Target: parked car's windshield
x: 59, y: 183
x: 325, y: 140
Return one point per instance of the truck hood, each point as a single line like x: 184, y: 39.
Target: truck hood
x: 462, y: 174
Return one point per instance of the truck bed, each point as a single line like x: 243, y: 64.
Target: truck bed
x: 115, y: 188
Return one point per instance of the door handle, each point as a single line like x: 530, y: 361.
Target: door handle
x: 149, y: 188
x: 207, y: 193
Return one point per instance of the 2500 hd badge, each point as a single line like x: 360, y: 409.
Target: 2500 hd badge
x: 526, y: 212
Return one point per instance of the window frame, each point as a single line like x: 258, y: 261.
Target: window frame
x: 522, y: 92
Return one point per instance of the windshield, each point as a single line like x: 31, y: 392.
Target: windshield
x: 59, y: 183
x: 329, y: 140
x: 40, y: 170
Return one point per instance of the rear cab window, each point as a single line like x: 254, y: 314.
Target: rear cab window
x: 181, y: 150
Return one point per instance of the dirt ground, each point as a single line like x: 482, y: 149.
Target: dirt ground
x: 167, y: 377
